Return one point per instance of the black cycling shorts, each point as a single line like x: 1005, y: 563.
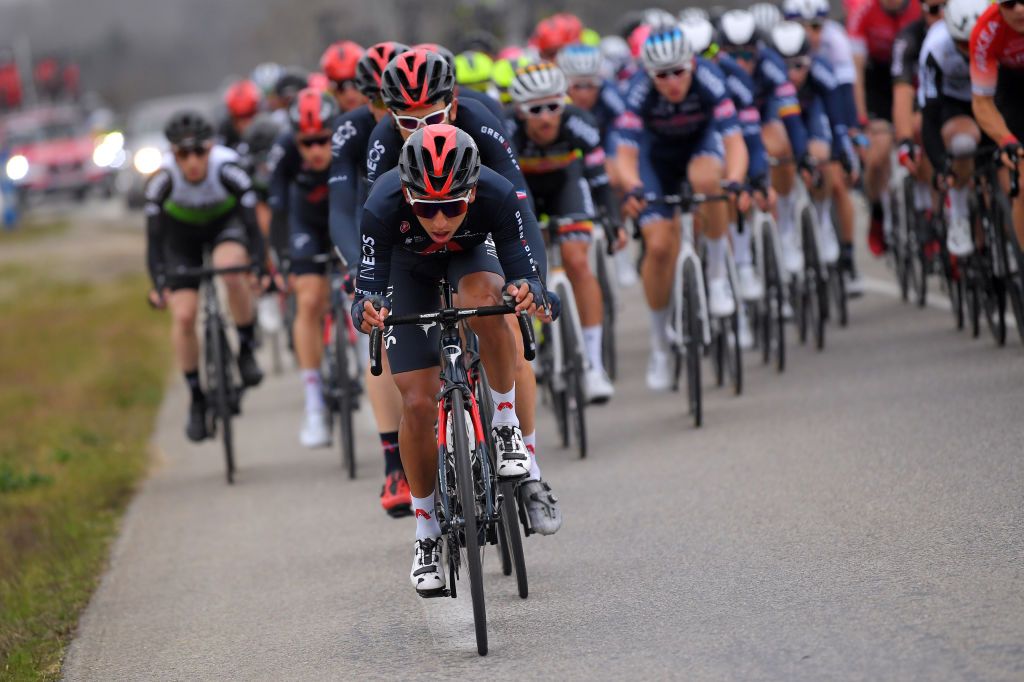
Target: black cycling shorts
x: 305, y: 240
x: 878, y: 91
x: 1008, y: 99
x: 184, y: 244
x: 413, y: 289
x: 565, y: 194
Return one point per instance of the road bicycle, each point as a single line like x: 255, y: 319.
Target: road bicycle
x: 469, y: 501
x: 767, y: 317
x: 602, y: 264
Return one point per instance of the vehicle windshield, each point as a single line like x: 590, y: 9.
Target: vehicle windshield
x: 24, y: 133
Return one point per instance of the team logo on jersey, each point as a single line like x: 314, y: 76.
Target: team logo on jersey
x: 520, y: 195
x: 404, y: 227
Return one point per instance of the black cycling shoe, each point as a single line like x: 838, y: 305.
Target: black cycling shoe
x: 250, y: 370
x: 195, y: 429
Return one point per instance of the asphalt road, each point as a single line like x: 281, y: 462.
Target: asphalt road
x: 855, y: 518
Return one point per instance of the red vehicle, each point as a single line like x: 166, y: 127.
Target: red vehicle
x: 52, y: 150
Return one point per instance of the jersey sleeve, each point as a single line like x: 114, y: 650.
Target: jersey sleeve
x: 828, y: 90
x: 587, y: 138
x: 986, y: 41
x: 630, y: 124
x: 715, y: 96
x: 237, y: 182
x: 905, y: 50
x: 784, y: 101
x: 513, y: 224
x: 158, y: 189
x: 382, y: 150
x: 348, y: 150
x: 278, y: 194
x: 375, y: 261
x: 750, y: 124
x: 856, y: 27
x: 931, y: 111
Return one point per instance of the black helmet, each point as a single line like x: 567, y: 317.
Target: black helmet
x: 261, y: 134
x: 188, y: 127
x: 372, y: 64
x: 417, y: 78
x: 289, y: 83
x: 439, y: 161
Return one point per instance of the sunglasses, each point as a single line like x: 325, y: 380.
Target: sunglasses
x: 746, y: 55
x: 670, y: 73
x: 347, y: 84
x: 544, y: 108
x: 798, y: 62
x: 584, y: 85
x: 933, y: 10
x: 315, y: 141
x: 198, y: 151
x: 428, y: 208
x: 416, y: 122
x: 815, y: 25
x: 1010, y: 4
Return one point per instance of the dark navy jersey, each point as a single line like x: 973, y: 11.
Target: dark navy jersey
x: 775, y: 97
x: 706, y: 103
x: 495, y: 147
x: 822, y: 84
x: 388, y: 224
x: 492, y: 105
x: 607, y: 109
x: 297, y: 192
x: 578, y: 144
x: 346, y: 183
x: 741, y: 89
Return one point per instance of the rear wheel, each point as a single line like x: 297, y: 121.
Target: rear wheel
x: 513, y: 537
x: 608, y: 347
x: 693, y: 341
x: 344, y: 389
x: 815, y: 287
x: 774, y: 299
x: 220, y: 374
x: 575, y: 401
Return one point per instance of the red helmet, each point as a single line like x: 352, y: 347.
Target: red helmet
x: 439, y: 161
x: 372, y: 64
x: 339, y: 60
x: 318, y: 81
x: 555, y: 32
x: 417, y: 78
x: 242, y: 99
x: 637, y: 39
x: 312, y: 111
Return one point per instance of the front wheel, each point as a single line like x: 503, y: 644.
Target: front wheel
x: 344, y: 388
x: 220, y: 373
x: 693, y: 339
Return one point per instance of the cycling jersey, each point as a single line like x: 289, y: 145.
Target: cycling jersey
x: 400, y: 261
x: 835, y: 48
x: 552, y: 169
x: 495, y: 152
x: 298, y: 199
x: 741, y: 90
x: 346, y: 182
x: 775, y: 98
x: 825, y: 117
x: 606, y: 110
x: 997, y: 66
x: 945, y: 89
x: 492, y: 105
x: 905, y: 52
x: 873, y: 31
x: 227, y: 134
x: 183, y: 218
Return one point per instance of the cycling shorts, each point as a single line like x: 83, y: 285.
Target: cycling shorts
x: 565, y: 194
x: 184, y: 244
x: 663, y: 168
x: 1008, y: 99
x: 305, y: 240
x: 878, y: 91
x: 412, y: 289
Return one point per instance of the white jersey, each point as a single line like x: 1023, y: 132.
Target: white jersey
x: 210, y: 191
x: 837, y: 50
x: 211, y: 198
x: 943, y: 71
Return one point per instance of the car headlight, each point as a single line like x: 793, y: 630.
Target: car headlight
x: 17, y: 167
x: 108, y: 149
x: 147, y: 160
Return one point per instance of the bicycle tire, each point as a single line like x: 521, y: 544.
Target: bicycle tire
x: 608, y: 346
x: 774, y: 300
x: 908, y: 225
x: 346, y: 430
x: 838, y: 286
x: 692, y: 338
x: 719, y: 350
x: 222, y: 405
x: 513, y: 536
x: 467, y: 500
x: 814, y: 280
x: 737, y: 356
x: 973, y: 305
x: 575, y: 401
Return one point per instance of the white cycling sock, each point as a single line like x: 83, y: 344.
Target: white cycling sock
x: 741, y: 245
x: 922, y: 196
x: 716, y: 257
x: 314, y: 390
x: 958, y: 202
x: 824, y: 208
x: 786, y: 206
x: 426, y: 523
x: 592, y: 341
x: 659, y: 328
x: 504, y: 408
x: 530, y: 441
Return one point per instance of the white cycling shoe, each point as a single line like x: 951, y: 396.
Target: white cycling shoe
x: 721, y: 302
x: 625, y: 271
x: 541, y: 507
x: 269, y: 314
x: 513, y: 457
x: 315, y: 432
x: 750, y: 283
x: 427, y: 574
x: 597, y: 386
x: 746, y: 336
x: 958, y: 237
x: 659, y: 375
x: 828, y: 243
x: 792, y: 252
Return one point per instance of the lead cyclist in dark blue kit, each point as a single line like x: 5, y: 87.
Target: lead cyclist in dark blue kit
x: 441, y: 215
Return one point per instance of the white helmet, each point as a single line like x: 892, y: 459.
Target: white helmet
x: 659, y: 19
x: 537, y: 81
x: 699, y: 32
x: 737, y: 28
x: 766, y: 16
x: 801, y: 10
x: 692, y: 14
x: 962, y: 15
x: 666, y: 49
x: 579, y: 60
x: 790, y: 39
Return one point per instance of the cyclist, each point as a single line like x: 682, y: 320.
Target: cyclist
x: 828, y: 40
x: 948, y: 129
x: 299, y: 231
x: 679, y: 124
x: 487, y: 96
x: 562, y: 159
x: 588, y: 90
x: 201, y: 198
x: 419, y: 89
x: 348, y: 187
x: 554, y: 33
x: 873, y: 26
x: 440, y: 214
x: 821, y: 106
x: 338, y: 63
x: 242, y: 101
x: 782, y: 127
x: 288, y: 85
x: 997, y: 79
x: 766, y: 16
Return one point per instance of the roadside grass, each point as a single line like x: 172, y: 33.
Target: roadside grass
x: 83, y: 368
x: 31, y: 230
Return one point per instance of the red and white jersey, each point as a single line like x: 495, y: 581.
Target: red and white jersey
x: 873, y: 30
x: 993, y: 44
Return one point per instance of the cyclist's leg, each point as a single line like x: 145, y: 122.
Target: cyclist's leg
x: 776, y: 144
x: 705, y: 171
x: 820, y: 146
x: 182, y: 248
x: 231, y: 250
x: 960, y: 135
x: 661, y: 236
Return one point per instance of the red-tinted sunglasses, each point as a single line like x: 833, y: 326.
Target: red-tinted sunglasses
x: 429, y: 208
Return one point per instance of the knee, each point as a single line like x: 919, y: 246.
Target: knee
x: 308, y: 301
x: 478, y: 292
x: 419, y: 409
x: 776, y: 143
x: 576, y: 262
x: 234, y: 282
x: 658, y: 245
x: 184, y: 318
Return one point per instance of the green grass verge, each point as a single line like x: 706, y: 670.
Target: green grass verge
x: 31, y: 230
x: 83, y: 369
